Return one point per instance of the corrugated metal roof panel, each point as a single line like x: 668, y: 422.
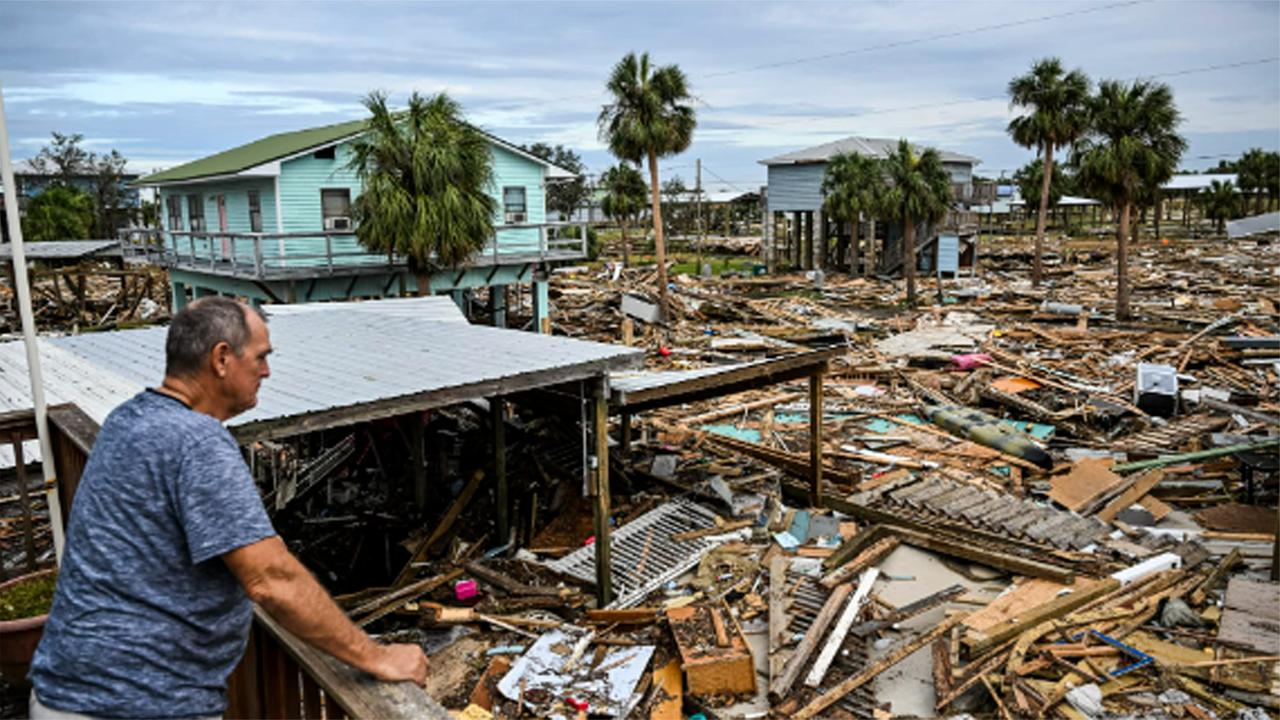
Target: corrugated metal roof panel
x: 332, y: 358
x: 870, y: 147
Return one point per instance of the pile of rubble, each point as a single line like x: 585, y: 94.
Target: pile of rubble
x: 1029, y: 508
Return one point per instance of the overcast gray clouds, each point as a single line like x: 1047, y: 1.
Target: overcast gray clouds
x: 169, y: 82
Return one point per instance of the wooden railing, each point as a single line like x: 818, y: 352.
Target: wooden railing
x: 279, y: 676
x: 271, y: 255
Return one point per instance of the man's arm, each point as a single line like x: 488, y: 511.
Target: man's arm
x: 275, y: 580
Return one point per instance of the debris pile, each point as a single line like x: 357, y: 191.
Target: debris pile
x: 1028, y: 507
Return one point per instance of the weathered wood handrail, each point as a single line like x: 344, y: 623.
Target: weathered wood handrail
x: 257, y: 255
x: 280, y: 676
x: 283, y: 677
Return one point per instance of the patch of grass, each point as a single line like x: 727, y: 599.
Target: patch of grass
x: 29, y: 598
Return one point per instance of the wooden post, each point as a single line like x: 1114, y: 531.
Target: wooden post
x: 808, y: 252
x: 815, y: 439
x: 498, y: 305
x: 497, y: 416
x: 28, y: 520
x: 417, y: 459
x: 600, y: 489
x: 625, y: 433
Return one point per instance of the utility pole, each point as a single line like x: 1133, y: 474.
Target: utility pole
x: 23, y: 290
x: 701, y: 235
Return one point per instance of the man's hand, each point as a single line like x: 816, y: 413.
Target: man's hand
x: 401, y: 662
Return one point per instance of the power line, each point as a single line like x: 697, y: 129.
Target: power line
x: 882, y: 46
x: 950, y: 103
x: 920, y: 40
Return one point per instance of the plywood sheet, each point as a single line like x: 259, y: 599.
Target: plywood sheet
x: 1252, y: 615
x: 1029, y: 594
x: 1088, y: 480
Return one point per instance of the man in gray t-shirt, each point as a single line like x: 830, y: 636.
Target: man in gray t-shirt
x: 168, y: 542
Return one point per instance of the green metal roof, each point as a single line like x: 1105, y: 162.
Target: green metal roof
x: 255, y: 153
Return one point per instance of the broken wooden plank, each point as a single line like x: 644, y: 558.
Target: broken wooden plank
x: 384, y: 605
x: 841, y: 630
x: 1056, y: 608
x: 832, y: 696
x: 778, y: 617
x: 864, y: 559
x: 442, y: 528
x: 1133, y: 494
x: 909, y: 610
x: 1200, y: 593
x: 781, y: 685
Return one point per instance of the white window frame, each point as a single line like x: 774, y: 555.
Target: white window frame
x: 195, y: 213
x: 515, y: 217
x: 255, y: 211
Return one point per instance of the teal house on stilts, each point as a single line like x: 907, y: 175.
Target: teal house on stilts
x: 270, y: 221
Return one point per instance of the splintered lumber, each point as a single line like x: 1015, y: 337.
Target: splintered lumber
x: 1131, y: 495
x: 1200, y: 593
x: 861, y: 562
x: 704, y: 418
x: 841, y: 630
x: 1014, y: 563
x: 909, y: 610
x: 832, y: 696
x: 512, y: 586
x: 384, y: 605
x: 971, y: 678
x: 781, y: 685
x: 777, y: 612
x: 795, y: 463
x: 625, y: 616
x: 1089, y: 480
x: 670, y: 683
x: 443, y: 527
x: 941, y: 666
x: 1052, y: 610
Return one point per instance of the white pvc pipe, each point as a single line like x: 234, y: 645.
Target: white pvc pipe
x: 23, y: 291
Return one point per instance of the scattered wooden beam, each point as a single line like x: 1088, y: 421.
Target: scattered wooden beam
x: 1200, y: 593
x: 442, y: 528
x: 861, y: 562
x: 1051, y: 610
x: 829, y: 698
x: 384, y: 605
x: 781, y: 685
x: 841, y: 630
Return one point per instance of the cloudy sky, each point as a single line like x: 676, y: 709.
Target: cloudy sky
x: 169, y: 82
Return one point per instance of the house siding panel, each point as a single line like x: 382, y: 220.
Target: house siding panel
x: 796, y: 187
x: 301, y: 180
x: 510, y: 170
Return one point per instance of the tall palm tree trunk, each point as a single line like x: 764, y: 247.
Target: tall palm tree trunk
x: 869, y: 269
x: 626, y: 246
x: 909, y: 258
x: 1122, y: 262
x: 853, y: 247
x: 1037, y: 269
x: 659, y: 244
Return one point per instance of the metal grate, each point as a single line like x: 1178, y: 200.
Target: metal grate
x: 644, y: 555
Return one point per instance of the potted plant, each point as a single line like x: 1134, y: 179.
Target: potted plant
x: 24, y: 608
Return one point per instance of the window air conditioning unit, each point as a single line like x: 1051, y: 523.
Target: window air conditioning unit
x: 337, y: 223
x: 516, y: 217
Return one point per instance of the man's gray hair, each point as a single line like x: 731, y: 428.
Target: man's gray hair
x: 199, y: 327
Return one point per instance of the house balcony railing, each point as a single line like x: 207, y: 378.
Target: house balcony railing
x: 269, y: 256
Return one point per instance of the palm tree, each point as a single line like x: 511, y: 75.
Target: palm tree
x: 624, y: 197
x: 1132, y: 144
x: 1251, y: 172
x: 427, y: 176
x: 651, y: 116
x: 851, y: 187
x: 1221, y: 203
x: 1030, y: 181
x: 1057, y: 114
x: 918, y: 190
